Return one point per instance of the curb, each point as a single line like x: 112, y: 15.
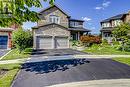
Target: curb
x: 101, y: 56
x: 12, y: 83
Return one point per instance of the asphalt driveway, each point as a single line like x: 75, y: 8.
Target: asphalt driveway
x: 46, y: 73
x: 57, y: 52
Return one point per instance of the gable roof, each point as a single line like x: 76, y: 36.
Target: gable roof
x: 36, y: 27
x: 53, y: 7
x: 114, y: 17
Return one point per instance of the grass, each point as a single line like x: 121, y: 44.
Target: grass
x: 6, y: 79
x: 123, y: 60
x: 105, y: 50
x: 14, y: 54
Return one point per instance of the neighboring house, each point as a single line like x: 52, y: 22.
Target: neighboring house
x: 109, y: 24
x: 56, y: 28
x: 6, y: 37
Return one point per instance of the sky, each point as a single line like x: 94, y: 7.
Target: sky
x: 91, y: 11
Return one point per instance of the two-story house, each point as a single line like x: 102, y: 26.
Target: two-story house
x: 55, y: 28
x: 109, y: 24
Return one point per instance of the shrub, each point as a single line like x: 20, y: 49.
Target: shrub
x: 22, y: 39
x: 127, y: 46
x: 104, y: 42
x: 76, y: 43
x: 89, y: 40
x: 115, y: 42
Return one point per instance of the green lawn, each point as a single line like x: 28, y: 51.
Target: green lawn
x: 6, y: 79
x: 14, y: 54
x: 105, y: 50
x: 123, y: 60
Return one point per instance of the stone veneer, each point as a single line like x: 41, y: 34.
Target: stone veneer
x: 53, y: 11
x: 50, y: 30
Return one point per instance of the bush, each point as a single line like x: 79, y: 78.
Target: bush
x: 22, y: 39
x: 104, y: 42
x: 127, y: 46
x: 76, y: 43
x: 115, y: 42
x: 89, y: 40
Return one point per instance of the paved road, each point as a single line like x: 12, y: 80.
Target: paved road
x: 41, y: 74
x: 3, y: 52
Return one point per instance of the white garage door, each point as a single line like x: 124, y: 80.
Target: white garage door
x: 61, y: 42
x: 44, y: 42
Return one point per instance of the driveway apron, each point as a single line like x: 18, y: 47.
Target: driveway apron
x: 47, y: 73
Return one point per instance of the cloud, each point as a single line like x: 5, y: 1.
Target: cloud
x: 104, y: 5
x: 93, y: 28
x: 86, y: 18
x: 98, y: 8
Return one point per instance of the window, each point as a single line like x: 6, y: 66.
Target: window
x: 54, y: 19
x: 106, y: 24
x: 75, y: 24
x: 117, y: 22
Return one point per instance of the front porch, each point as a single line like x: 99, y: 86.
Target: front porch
x: 76, y: 33
x: 107, y: 35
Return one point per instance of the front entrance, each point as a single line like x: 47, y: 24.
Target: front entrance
x: 75, y: 35
x: 3, y: 42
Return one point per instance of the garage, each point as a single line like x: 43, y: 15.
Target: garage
x: 51, y: 36
x: 3, y: 42
x: 47, y: 42
x: 44, y: 42
x: 61, y: 42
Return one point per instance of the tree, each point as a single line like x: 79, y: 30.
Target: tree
x: 18, y: 11
x: 121, y: 32
x: 22, y: 39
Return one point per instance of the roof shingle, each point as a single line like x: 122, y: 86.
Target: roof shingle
x: 113, y: 18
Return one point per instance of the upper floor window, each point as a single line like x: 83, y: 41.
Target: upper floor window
x: 54, y: 19
x: 76, y: 24
x: 106, y: 24
x: 117, y: 22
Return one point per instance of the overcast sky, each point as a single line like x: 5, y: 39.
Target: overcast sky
x: 91, y: 11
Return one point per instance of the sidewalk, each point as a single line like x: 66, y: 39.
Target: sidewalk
x: 97, y: 83
x: 101, y: 56
x: 48, y: 58
x: 12, y: 61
